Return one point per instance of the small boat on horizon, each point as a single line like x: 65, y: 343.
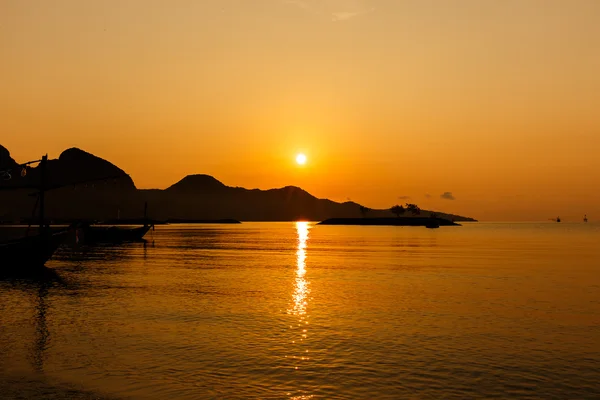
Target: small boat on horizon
x: 433, y: 224
x: 585, y: 219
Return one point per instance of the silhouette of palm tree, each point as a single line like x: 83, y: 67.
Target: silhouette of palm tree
x: 398, y: 210
x: 413, y: 208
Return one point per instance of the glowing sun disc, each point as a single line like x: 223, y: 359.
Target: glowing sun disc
x: 301, y: 159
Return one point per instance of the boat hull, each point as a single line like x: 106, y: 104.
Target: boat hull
x: 29, y: 253
x: 113, y: 234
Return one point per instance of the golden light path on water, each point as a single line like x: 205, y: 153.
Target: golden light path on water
x: 300, y: 296
x: 301, y: 293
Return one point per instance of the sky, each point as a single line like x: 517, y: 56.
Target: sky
x: 485, y: 108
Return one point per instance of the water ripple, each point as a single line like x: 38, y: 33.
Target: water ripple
x: 298, y: 311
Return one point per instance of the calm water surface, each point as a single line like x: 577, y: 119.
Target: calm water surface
x: 299, y: 311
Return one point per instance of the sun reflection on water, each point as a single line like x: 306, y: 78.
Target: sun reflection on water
x: 301, y: 289
x: 300, y: 295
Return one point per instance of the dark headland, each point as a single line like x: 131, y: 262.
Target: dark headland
x: 87, y: 187
x: 394, y: 221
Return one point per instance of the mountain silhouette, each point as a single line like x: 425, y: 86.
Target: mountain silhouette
x: 88, y: 187
x: 75, y: 165
x: 196, y: 184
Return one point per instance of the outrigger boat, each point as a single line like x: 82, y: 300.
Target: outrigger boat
x: 30, y: 253
x: 113, y: 234
x: 93, y: 234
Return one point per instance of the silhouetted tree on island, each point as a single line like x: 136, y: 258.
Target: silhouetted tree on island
x: 398, y: 210
x: 413, y: 208
x: 364, y: 211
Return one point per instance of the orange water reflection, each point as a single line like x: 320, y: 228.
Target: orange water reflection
x: 300, y: 297
x: 301, y: 290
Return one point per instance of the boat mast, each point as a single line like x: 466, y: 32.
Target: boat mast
x: 145, y: 213
x: 43, y: 163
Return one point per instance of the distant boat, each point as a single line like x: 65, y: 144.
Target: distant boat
x: 433, y: 224
x: 585, y: 218
x: 557, y: 219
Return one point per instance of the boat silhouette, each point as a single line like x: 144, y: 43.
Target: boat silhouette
x: 98, y: 234
x: 30, y: 253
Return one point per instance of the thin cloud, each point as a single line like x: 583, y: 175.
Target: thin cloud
x: 341, y: 16
x: 299, y: 3
x: 337, y: 10
x: 403, y: 197
x: 427, y: 196
x: 447, y: 196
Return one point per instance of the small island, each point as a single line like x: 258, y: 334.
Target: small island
x: 428, y: 222
x: 432, y: 220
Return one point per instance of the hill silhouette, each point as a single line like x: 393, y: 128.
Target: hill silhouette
x: 196, y: 183
x: 97, y: 189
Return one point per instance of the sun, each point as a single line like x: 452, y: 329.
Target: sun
x: 301, y: 159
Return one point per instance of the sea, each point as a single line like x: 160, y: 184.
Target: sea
x: 298, y: 311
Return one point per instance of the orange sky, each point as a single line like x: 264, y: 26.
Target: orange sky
x: 497, y: 102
